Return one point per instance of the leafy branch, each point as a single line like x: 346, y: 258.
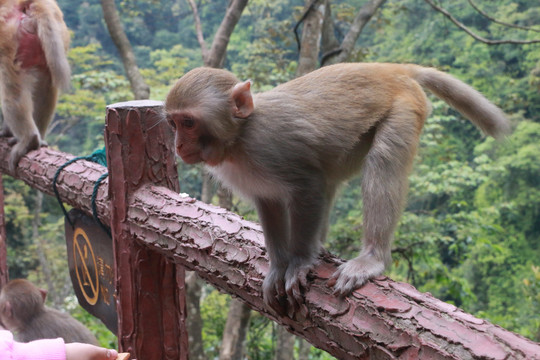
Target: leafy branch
x: 463, y: 27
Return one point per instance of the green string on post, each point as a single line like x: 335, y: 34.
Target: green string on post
x: 100, y: 157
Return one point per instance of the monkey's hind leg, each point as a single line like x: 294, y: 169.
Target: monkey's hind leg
x: 45, y: 95
x: 17, y: 110
x: 4, y: 131
x: 384, y: 189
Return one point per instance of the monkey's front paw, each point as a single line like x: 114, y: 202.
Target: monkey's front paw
x: 274, y: 294
x: 295, y: 283
x: 354, y: 273
x: 282, y: 290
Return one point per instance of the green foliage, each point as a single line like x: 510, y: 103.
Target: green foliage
x: 105, y: 337
x: 213, y: 334
x: 261, y: 48
x: 261, y: 338
x: 531, y: 284
x: 166, y: 67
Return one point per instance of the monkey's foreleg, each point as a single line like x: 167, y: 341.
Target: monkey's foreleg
x: 309, y: 208
x: 273, y: 215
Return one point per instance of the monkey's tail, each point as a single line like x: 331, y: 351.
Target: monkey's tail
x: 469, y: 102
x: 53, y: 35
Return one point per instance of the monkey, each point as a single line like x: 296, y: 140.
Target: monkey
x: 288, y: 149
x: 24, y: 313
x: 33, y: 68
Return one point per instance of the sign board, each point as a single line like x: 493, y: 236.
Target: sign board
x: 91, y: 267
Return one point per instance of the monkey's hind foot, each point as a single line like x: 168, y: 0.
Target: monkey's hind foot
x: 22, y: 148
x: 354, y: 273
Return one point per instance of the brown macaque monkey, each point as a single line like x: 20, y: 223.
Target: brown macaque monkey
x: 289, y: 148
x: 33, y: 67
x: 23, y: 312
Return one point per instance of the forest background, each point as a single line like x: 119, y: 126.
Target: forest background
x: 470, y: 234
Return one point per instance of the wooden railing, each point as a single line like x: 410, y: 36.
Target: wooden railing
x: 158, y: 232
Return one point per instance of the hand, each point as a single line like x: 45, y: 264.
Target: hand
x: 79, y: 351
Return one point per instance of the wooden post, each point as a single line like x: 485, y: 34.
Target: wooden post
x: 4, y: 275
x: 150, y: 288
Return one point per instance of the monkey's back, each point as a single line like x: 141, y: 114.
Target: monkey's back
x: 52, y: 323
x: 335, y: 109
x: 359, y: 95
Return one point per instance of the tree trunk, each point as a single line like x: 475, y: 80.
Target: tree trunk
x: 304, y: 349
x: 216, y: 56
x: 311, y: 36
x: 198, y: 28
x: 52, y: 294
x: 140, y: 89
x: 194, y: 320
x: 284, y: 345
x: 236, y: 328
x: 364, y: 15
x: 330, y: 45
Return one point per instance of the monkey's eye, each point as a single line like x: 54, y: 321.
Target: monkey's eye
x: 188, y: 123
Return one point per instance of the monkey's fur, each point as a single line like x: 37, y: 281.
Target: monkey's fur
x: 33, y: 68
x: 288, y: 149
x: 23, y: 312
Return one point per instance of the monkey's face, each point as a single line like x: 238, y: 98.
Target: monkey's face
x: 193, y: 142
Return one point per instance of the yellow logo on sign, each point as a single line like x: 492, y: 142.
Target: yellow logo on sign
x: 85, y: 261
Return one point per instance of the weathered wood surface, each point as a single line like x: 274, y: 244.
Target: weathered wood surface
x: 382, y: 320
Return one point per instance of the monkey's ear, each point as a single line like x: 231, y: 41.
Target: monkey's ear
x: 242, y: 100
x: 43, y: 293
